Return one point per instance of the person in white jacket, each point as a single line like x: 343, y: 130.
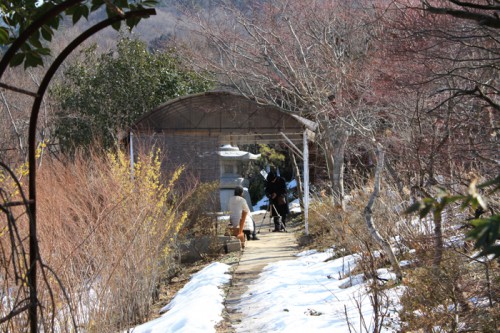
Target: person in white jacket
x: 240, y: 214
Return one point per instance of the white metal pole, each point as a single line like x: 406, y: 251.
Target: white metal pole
x: 306, y: 183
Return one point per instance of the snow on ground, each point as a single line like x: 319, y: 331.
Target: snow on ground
x: 309, y: 294
x: 197, y: 307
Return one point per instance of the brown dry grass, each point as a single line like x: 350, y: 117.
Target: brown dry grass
x: 461, y: 295
x: 107, y: 241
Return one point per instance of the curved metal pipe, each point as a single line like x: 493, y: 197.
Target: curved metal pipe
x: 23, y: 37
x: 34, y: 253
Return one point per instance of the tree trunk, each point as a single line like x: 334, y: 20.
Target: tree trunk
x: 369, y: 218
x: 438, y: 239
x: 338, y: 142
x: 397, y: 180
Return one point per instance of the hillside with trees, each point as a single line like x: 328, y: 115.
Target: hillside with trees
x: 405, y: 94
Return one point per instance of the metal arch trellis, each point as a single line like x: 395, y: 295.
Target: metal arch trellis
x: 30, y: 203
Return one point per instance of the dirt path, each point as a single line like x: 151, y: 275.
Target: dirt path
x: 272, y: 247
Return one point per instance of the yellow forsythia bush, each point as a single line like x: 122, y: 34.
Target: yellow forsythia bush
x: 109, y: 233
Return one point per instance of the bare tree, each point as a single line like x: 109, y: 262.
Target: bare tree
x: 308, y: 58
x: 444, y: 73
x: 15, y: 111
x: 369, y: 218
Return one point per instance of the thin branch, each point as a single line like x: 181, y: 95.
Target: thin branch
x: 481, y: 19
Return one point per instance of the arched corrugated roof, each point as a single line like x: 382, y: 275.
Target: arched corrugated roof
x: 231, y: 117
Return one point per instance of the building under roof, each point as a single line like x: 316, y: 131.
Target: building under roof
x: 191, y: 129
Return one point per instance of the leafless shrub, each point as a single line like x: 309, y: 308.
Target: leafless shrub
x: 431, y: 301
x: 107, y: 238
x: 200, y: 203
x: 458, y: 295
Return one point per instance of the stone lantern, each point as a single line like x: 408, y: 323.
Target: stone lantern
x: 232, y: 160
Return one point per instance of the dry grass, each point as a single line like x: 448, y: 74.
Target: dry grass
x: 346, y: 230
x: 198, y: 203
x: 462, y: 295
x: 107, y: 238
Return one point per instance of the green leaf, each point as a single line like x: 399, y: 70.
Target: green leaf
x: 78, y: 12
x: 35, y: 41
x: 495, y: 181
x: 54, y: 22
x: 96, y: 4
x: 4, y: 36
x: 413, y: 208
x: 17, y: 59
x: 132, y: 22
x: 425, y: 211
x: 33, y: 59
x: 466, y: 202
x: 116, y: 25
x: 86, y: 12
x: 492, y: 250
x: 450, y: 199
x: 46, y: 32
x: 428, y: 201
x: 480, y: 226
x: 44, y: 51
x: 486, y: 231
x: 44, y: 8
x: 77, y: 15
x: 121, y: 3
x: 71, y: 11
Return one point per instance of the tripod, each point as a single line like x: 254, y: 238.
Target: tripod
x: 281, y: 224
x: 265, y: 214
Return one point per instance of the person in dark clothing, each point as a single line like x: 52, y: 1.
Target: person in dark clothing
x: 276, y: 192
